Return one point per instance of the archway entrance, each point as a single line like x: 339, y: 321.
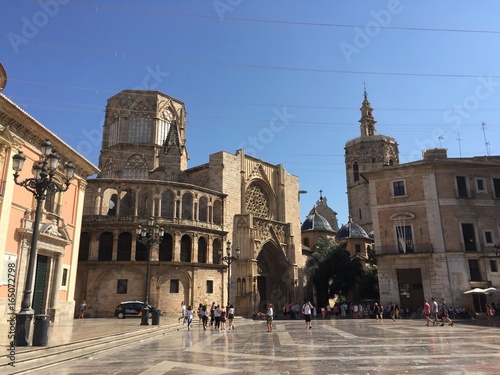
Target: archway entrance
x: 273, y: 280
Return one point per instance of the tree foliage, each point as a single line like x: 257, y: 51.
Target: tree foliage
x: 332, y: 270
x: 368, y: 284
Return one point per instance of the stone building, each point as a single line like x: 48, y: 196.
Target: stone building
x: 436, y: 224
x: 56, y: 253
x: 233, y: 200
x: 368, y: 151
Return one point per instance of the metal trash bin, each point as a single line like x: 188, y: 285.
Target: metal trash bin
x: 41, y: 331
x: 155, y: 317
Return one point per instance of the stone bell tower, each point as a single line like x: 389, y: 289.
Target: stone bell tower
x: 368, y: 151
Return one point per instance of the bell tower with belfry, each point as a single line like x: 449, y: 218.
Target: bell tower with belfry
x: 366, y: 152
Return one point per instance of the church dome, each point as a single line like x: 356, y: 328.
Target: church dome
x: 3, y: 78
x: 316, y: 222
x: 351, y: 230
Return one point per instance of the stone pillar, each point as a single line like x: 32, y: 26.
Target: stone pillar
x: 210, y: 249
x: 133, y: 248
x: 114, y: 251
x: 176, y: 243
x: 194, y: 243
x: 56, y: 286
x: 94, y: 246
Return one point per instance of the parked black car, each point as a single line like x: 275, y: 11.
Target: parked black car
x: 132, y: 308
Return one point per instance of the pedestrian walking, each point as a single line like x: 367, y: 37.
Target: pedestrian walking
x: 269, y: 317
x: 434, y: 311
x: 183, y: 313
x: 376, y: 311
x: 444, y: 314
x: 217, y: 313
x: 323, y: 312
x: 204, y: 316
x: 199, y: 312
x: 392, y: 311
x: 489, y: 314
x: 230, y: 317
x: 427, y: 312
x: 307, y: 310
x: 222, y: 318
x: 83, y: 307
x: 189, y: 316
x: 212, y: 316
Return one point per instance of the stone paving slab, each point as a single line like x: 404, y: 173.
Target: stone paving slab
x: 330, y: 347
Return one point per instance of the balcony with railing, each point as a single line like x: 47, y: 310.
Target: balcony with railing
x: 161, y: 220
x: 425, y: 248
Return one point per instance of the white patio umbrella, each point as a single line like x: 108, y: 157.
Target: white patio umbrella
x: 491, y: 291
x: 475, y: 291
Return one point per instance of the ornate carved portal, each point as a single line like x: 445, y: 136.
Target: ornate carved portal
x: 273, y: 279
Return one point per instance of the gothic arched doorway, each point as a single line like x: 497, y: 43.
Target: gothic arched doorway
x: 273, y: 280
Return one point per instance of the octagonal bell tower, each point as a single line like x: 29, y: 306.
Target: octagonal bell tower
x: 368, y: 151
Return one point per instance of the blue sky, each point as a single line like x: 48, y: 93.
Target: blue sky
x: 284, y: 80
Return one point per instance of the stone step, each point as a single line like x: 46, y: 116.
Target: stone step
x: 29, y: 359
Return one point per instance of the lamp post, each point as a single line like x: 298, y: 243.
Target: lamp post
x: 148, y: 236
x: 41, y: 185
x: 229, y: 259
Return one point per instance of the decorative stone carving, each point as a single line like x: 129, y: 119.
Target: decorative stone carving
x: 257, y: 201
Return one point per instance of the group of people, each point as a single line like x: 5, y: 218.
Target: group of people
x: 214, y: 316
x: 436, y: 313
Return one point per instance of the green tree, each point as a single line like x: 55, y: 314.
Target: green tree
x: 332, y: 270
x: 368, y: 284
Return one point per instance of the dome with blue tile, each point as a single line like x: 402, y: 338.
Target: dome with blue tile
x: 350, y: 231
x: 316, y: 222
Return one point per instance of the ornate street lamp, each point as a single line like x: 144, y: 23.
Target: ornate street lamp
x: 41, y: 185
x: 148, y: 236
x: 229, y: 259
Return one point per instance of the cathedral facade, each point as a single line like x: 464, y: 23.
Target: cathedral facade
x: 233, y: 201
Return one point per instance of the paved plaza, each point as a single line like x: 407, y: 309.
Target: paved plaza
x: 344, y: 346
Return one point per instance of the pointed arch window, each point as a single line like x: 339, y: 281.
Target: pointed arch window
x: 139, y: 130
x: 217, y: 212
x: 109, y: 168
x: 145, y: 203
x: 187, y: 206
x: 167, y: 204
x: 355, y: 171
x: 203, y: 209
x: 136, y: 168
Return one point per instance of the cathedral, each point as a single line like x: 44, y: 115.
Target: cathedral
x: 234, y: 204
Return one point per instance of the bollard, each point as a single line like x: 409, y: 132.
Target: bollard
x: 41, y: 331
x: 155, y: 317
